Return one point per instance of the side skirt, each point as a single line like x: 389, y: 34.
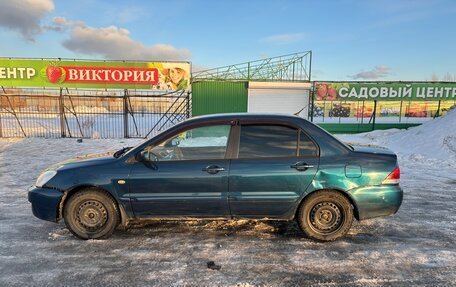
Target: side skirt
x: 142, y: 221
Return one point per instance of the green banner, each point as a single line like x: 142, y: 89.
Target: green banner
x: 331, y: 91
x: 95, y: 74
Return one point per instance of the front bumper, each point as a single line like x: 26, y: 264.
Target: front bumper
x: 45, y: 202
x: 376, y: 201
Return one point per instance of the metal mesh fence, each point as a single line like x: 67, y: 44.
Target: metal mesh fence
x: 90, y: 113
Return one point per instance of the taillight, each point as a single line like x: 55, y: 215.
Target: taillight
x: 393, y: 177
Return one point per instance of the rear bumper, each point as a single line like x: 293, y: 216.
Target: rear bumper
x: 375, y: 201
x: 45, y: 202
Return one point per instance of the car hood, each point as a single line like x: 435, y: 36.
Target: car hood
x: 83, y: 161
x: 368, y: 148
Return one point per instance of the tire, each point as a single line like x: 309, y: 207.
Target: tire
x: 91, y: 214
x: 325, y: 215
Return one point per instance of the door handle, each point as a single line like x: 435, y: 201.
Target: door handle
x: 213, y: 169
x: 301, y: 166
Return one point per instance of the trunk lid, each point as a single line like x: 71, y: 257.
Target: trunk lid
x: 368, y: 148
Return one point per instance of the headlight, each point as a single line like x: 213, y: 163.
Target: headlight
x: 45, y: 177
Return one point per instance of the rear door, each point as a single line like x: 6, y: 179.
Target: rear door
x: 274, y: 166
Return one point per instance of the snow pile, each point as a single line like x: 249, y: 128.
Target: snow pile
x: 434, y: 139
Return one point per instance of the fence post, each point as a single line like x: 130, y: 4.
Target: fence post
x: 125, y: 113
x: 312, y: 98
x: 188, y: 104
x: 1, y: 132
x: 362, y: 114
x: 373, y: 116
x: 436, y: 114
x: 62, y: 115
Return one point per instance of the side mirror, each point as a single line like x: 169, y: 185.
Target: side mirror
x: 142, y: 156
x: 145, y: 156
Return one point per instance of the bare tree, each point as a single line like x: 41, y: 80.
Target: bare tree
x: 434, y: 77
x: 448, y: 77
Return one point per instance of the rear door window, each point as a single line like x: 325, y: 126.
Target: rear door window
x: 306, y: 146
x: 258, y: 141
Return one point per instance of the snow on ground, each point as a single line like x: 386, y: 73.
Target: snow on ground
x: 415, y: 247
x: 434, y: 139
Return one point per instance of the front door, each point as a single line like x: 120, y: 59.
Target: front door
x: 275, y: 165
x: 186, y: 176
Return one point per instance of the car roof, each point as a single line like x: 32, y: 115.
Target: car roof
x: 240, y: 116
x: 328, y: 143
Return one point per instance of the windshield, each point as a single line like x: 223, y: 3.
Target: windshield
x: 130, y: 149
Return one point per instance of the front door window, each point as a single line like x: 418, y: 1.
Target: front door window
x: 195, y: 144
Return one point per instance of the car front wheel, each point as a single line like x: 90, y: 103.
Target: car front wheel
x: 325, y: 215
x: 91, y: 214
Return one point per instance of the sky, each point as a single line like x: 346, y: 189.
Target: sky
x: 349, y: 40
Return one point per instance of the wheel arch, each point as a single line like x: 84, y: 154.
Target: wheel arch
x: 340, y: 191
x: 70, y: 192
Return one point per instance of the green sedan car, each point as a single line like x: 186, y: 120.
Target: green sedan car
x: 226, y: 166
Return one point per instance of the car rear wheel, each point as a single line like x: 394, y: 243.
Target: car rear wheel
x: 91, y: 214
x: 325, y: 215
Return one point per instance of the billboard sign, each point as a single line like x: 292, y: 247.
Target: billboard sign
x: 95, y: 74
x: 394, y: 91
